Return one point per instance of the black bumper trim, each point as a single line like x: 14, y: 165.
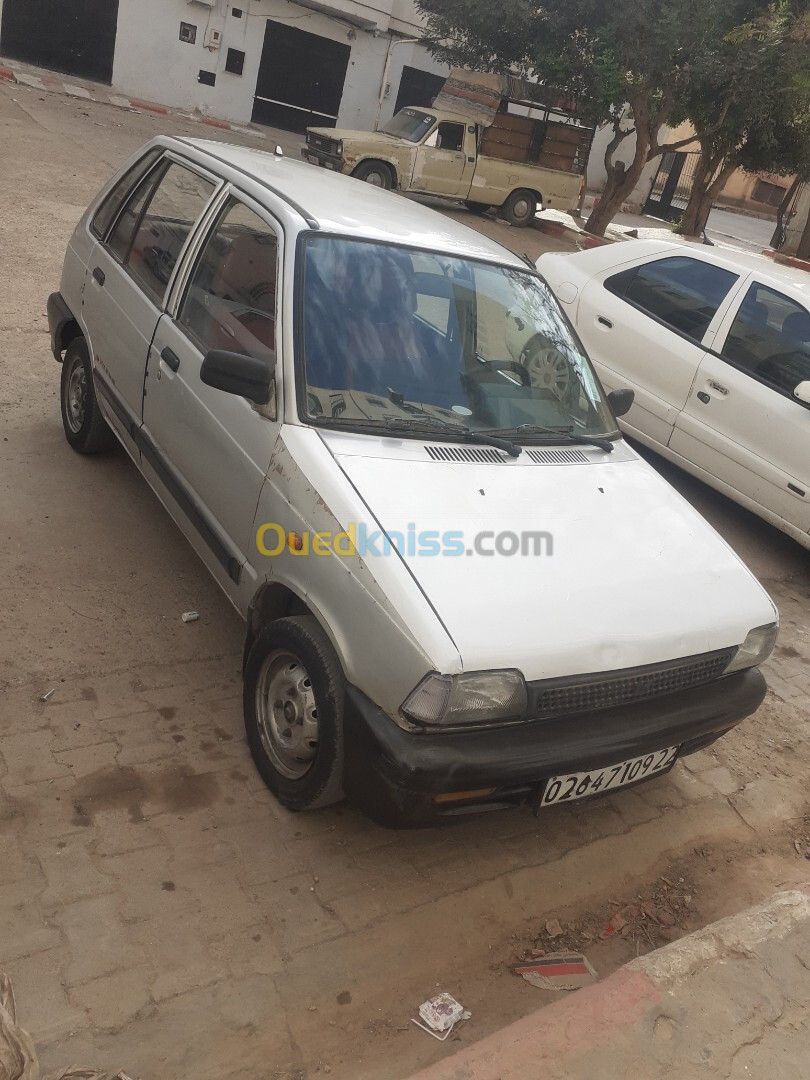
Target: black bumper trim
x: 327, y: 161
x: 59, y: 315
x: 393, y: 775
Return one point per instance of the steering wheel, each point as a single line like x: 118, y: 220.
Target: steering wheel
x: 489, y: 366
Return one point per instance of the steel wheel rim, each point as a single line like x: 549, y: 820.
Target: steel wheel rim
x: 287, y: 714
x: 521, y: 208
x: 76, y: 395
x: 375, y: 179
x: 549, y: 369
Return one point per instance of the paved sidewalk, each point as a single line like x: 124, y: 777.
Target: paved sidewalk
x: 727, y: 1002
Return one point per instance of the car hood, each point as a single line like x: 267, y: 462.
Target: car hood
x: 345, y: 134
x: 628, y: 572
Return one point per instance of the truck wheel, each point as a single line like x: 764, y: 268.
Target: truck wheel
x: 520, y: 208
x: 477, y: 207
x: 85, y: 428
x: 375, y: 173
x: 293, y: 706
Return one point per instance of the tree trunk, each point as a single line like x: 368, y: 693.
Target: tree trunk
x: 620, y: 179
x: 779, y: 234
x: 803, y: 250
x: 707, y: 186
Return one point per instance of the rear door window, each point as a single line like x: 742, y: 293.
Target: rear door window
x: 682, y: 292
x: 155, y: 224
x: 770, y: 339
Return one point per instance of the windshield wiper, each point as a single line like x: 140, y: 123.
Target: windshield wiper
x: 409, y: 423
x: 565, y: 433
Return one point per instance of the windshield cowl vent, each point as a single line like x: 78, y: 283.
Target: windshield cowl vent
x: 557, y: 457
x: 466, y: 453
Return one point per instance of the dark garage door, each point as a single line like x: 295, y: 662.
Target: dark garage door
x: 73, y: 36
x: 417, y: 87
x: 301, y: 77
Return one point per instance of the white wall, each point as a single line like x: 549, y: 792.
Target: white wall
x: 151, y: 61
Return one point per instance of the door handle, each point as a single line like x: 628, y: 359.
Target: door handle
x: 716, y: 386
x: 170, y: 359
x: 99, y: 275
x: 605, y: 322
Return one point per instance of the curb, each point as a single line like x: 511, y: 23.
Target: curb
x: 787, y: 260
x: 556, y: 1036
x: 584, y: 240
x: 93, y: 92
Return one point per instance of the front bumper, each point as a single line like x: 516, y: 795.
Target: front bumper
x: 394, y: 775
x: 59, y: 315
x: 320, y: 157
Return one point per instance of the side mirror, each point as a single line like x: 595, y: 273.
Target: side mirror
x: 621, y: 401
x: 802, y: 392
x: 238, y: 374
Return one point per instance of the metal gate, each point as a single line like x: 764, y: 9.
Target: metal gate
x: 76, y: 37
x: 301, y: 77
x: 672, y: 186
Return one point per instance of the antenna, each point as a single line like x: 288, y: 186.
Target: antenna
x: 278, y: 151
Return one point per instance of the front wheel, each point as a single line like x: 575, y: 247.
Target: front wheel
x: 375, y: 173
x: 85, y: 428
x: 293, y: 704
x: 520, y: 208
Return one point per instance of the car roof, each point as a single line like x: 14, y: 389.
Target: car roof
x: 339, y: 204
x: 740, y: 262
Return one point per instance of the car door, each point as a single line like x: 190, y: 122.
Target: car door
x: 210, y: 450
x: 445, y: 162
x: 129, y: 274
x: 742, y: 423
x: 644, y: 328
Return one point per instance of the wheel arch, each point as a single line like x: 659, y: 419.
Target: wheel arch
x: 370, y: 159
x: 272, y: 601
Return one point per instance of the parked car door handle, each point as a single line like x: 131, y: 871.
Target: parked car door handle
x: 99, y: 275
x: 170, y: 358
x: 605, y: 322
x: 716, y: 386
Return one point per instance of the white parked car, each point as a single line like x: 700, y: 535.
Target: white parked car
x: 462, y: 588
x: 715, y: 344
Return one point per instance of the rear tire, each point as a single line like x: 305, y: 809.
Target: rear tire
x: 294, y: 696
x: 376, y: 173
x: 85, y: 428
x: 520, y: 208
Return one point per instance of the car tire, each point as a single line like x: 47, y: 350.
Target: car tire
x: 294, y: 695
x: 477, y: 207
x: 376, y: 173
x: 520, y: 208
x: 85, y: 428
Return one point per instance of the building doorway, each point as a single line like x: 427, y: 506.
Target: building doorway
x: 76, y: 37
x: 301, y: 77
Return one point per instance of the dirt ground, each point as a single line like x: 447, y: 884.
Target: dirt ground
x: 158, y: 911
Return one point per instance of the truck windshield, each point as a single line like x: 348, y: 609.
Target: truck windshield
x: 392, y: 333
x: 410, y: 124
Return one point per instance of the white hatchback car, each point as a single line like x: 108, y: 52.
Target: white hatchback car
x: 715, y: 344
x: 462, y: 588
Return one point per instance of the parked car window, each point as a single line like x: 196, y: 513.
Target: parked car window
x: 108, y: 211
x: 684, y: 293
x: 170, y: 215
x: 454, y: 339
x: 451, y: 136
x: 230, y: 302
x: 770, y: 338
x: 410, y: 124
x: 120, y: 239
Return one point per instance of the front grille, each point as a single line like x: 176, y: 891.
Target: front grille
x: 321, y: 142
x: 587, y: 693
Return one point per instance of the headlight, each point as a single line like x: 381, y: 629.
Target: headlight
x: 755, y: 649
x: 477, y: 697
x: 339, y: 148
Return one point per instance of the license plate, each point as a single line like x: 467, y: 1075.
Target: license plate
x: 580, y: 785
x: 312, y: 159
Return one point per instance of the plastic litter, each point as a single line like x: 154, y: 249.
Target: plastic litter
x: 47, y: 695
x: 190, y: 616
x: 558, y: 971
x: 440, y: 1015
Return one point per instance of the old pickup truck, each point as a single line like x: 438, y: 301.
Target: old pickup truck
x: 488, y: 140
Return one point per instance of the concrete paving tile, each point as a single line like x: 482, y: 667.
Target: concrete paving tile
x: 116, y: 999
x: 24, y: 928
x: 98, y: 940
x: 70, y: 871
x: 302, y: 919
x: 178, y: 956
x: 722, y: 780
x: 43, y: 1006
x: 84, y: 760
x: 29, y: 758
x: 252, y: 949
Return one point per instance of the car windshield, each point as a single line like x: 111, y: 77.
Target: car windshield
x: 392, y: 333
x: 410, y: 124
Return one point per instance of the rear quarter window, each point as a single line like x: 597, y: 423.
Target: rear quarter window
x: 115, y: 199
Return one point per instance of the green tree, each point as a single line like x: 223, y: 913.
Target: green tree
x: 767, y: 125
x: 628, y: 62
